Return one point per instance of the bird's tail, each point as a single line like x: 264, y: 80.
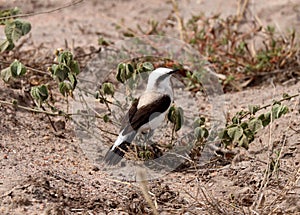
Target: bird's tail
x: 115, y: 154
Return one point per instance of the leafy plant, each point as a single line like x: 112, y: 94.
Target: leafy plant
x: 175, y: 116
x: 16, y: 69
x: 240, y: 56
x: 40, y: 94
x: 242, y: 131
x: 231, y: 51
x: 200, y: 131
x: 126, y: 71
x: 108, y: 89
x: 65, y: 72
x: 193, y: 81
x: 6, y: 14
x: 14, y: 28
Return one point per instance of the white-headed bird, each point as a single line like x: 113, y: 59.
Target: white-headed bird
x: 146, y: 113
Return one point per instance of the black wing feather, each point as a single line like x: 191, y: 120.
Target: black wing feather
x: 130, y: 114
x: 139, y: 117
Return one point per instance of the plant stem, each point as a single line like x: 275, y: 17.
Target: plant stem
x: 29, y: 68
x: 268, y: 105
x: 58, y: 113
x: 38, y: 71
x: 105, y: 101
x: 51, y: 122
x: 42, y: 12
x: 33, y: 110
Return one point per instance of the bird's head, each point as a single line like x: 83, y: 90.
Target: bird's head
x: 159, y: 79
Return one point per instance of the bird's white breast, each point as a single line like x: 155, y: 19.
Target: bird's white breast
x: 148, y: 98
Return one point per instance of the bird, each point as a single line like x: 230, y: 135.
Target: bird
x: 146, y: 113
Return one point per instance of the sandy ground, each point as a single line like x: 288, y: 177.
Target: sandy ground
x: 44, y: 172
x: 82, y: 24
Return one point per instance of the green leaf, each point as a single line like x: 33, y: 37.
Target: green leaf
x: 65, y: 88
x: 175, y: 115
x: 265, y: 118
x: 235, y: 132
x: 65, y: 57
x: 7, y: 13
x: 253, y: 109
x: 60, y: 72
x: 26, y: 27
x: 12, y: 32
x: 21, y: 69
x: 236, y: 120
x: 170, y: 114
x: 108, y: 89
x: 200, y: 132
x: 6, y: 74
x: 244, y: 125
x: 243, y: 142
x: 15, y: 29
x: 121, y: 72
x: 148, y: 66
x: 6, y: 46
x: 74, y: 66
x: 255, y: 124
x: 179, y: 118
x: 249, y: 134
x: 39, y: 94
x: 17, y: 68
x: 199, y: 121
x: 73, y: 80
x: 106, y: 118
x: 278, y: 110
x: 129, y: 70
x: 223, y: 135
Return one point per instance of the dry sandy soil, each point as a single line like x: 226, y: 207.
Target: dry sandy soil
x: 46, y: 172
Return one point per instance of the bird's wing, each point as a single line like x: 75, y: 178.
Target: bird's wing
x: 138, y: 117
x: 129, y: 115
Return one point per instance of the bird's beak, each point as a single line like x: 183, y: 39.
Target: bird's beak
x: 173, y: 71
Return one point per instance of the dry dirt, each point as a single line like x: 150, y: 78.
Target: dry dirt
x: 46, y: 172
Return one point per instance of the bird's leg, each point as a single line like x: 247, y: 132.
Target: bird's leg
x: 148, y: 137
x: 145, y: 138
